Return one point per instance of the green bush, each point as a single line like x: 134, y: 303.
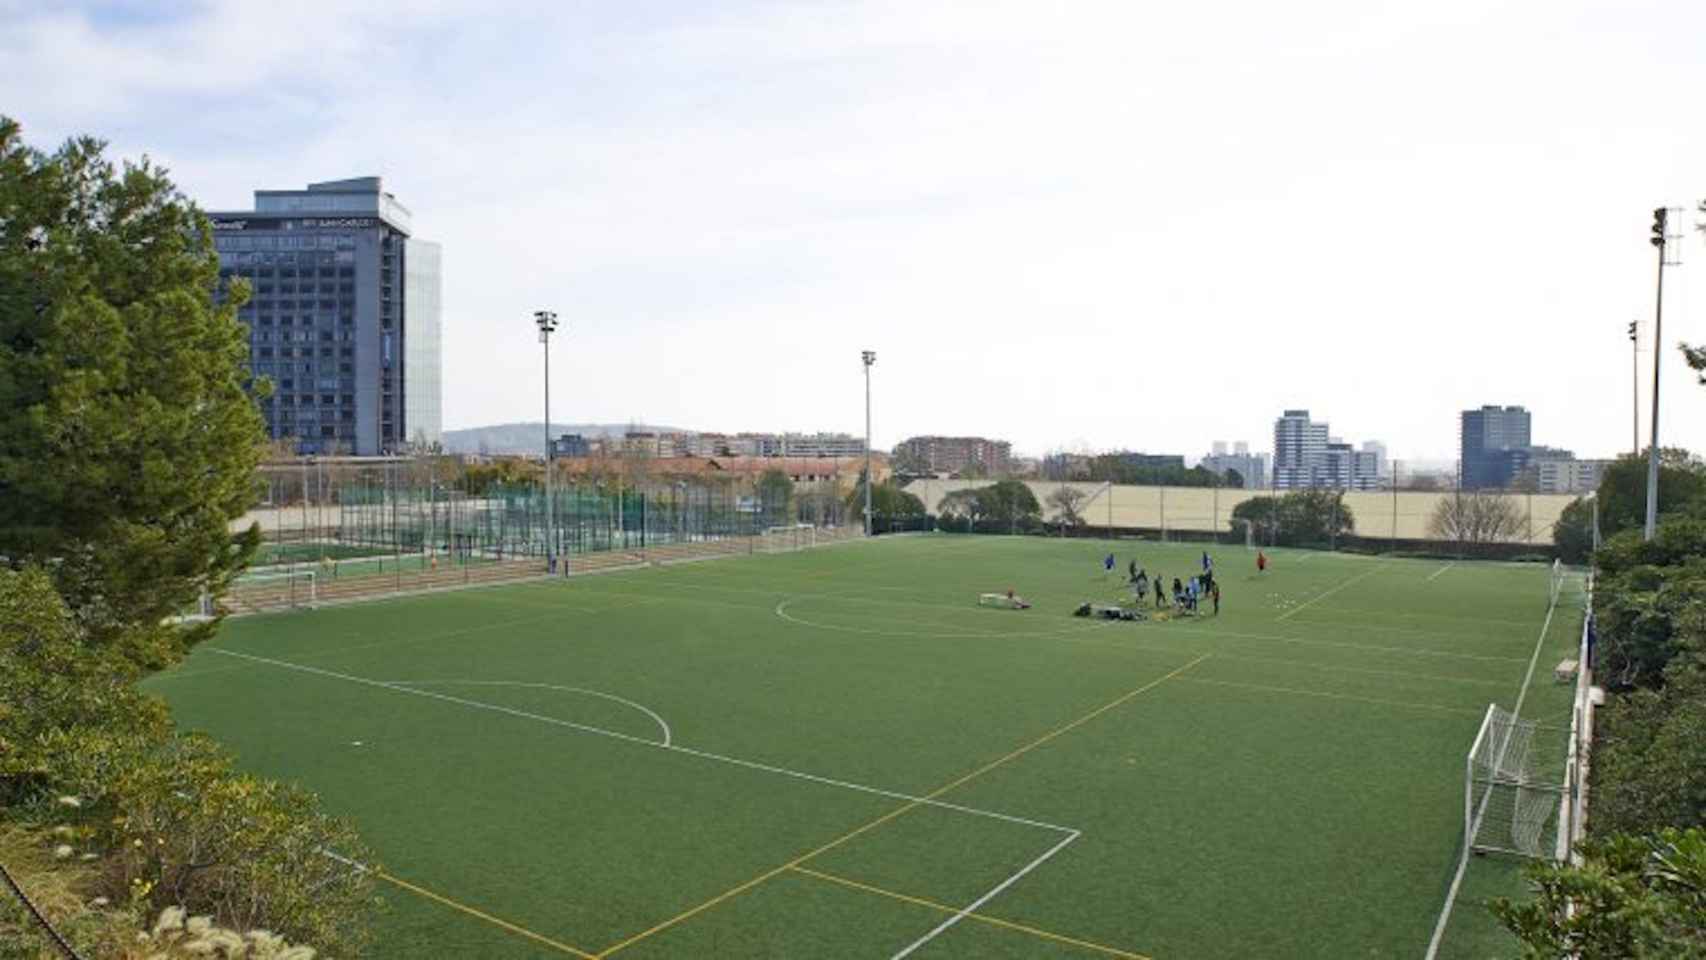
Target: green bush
x: 69, y: 717
x: 1631, y: 897
x: 1646, y: 615
x: 1676, y: 541
x: 251, y: 853
x: 166, y: 818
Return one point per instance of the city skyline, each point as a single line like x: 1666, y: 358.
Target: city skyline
x: 725, y: 206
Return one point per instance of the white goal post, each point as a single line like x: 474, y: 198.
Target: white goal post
x: 794, y: 536
x: 1507, y: 808
x: 293, y: 588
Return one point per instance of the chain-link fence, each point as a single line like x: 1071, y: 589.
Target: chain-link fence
x: 341, y: 527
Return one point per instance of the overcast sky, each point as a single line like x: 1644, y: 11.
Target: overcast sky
x: 1135, y: 225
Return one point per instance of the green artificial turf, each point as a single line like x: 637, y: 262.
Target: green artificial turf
x: 1283, y: 780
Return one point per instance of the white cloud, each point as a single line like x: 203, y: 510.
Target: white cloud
x: 1139, y: 225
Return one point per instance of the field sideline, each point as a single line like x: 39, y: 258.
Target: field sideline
x: 836, y: 752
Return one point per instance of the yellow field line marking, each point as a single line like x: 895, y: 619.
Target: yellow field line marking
x: 496, y: 921
x: 1065, y: 729
x: 1340, y: 696
x: 1322, y: 596
x: 993, y: 921
x: 838, y: 841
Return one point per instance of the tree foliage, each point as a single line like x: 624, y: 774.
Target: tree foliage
x: 1650, y: 601
x: 1695, y: 357
x: 1115, y: 468
x: 1650, y: 751
x: 1633, y: 896
x: 1297, y: 518
x: 1006, y: 505
x: 1477, y: 516
x: 1623, y: 488
x: 167, y: 817
x: 128, y: 441
x: 890, y: 505
x: 1572, y: 533
x: 775, y: 495
x: 1065, y: 500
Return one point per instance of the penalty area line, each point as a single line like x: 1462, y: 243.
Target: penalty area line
x: 979, y: 917
x: 440, y: 898
x: 994, y: 892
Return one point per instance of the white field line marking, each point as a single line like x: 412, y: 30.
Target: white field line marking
x: 672, y: 748
x: 1436, y: 573
x: 992, y: 894
x: 1339, y: 613
x: 1322, y: 596
x: 1331, y: 617
x: 667, y: 736
x: 1415, y: 651
x: 1463, y: 858
x: 1439, y: 708
x: 1279, y: 661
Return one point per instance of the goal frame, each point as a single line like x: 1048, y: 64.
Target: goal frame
x: 1503, y: 788
x: 786, y: 538
x: 293, y: 595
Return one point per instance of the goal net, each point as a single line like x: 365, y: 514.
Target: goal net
x: 1555, y: 585
x: 782, y: 539
x: 261, y: 591
x: 1507, y: 808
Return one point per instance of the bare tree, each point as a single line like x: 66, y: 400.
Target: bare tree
x: 1065, y: 501
x: 1478, y: 516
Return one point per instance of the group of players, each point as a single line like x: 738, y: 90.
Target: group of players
x: 1188, y: 595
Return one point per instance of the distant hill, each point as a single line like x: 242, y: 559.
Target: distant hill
x: 510, y: 438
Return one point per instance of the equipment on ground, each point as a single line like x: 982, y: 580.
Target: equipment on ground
x: 1109, y: 611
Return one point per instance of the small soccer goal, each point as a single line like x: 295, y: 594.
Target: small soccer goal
x: 264, y: 591
x: 783, y: 539
x: 1555, y: 583
x: 1506, y: 807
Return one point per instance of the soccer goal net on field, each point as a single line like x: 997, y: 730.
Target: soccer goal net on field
x: 1507, y: 807
x: 1555, y: 585
x: 293, y: 588
x: 796, y: 536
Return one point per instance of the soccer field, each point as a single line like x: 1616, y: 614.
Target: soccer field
x: 838, y: 753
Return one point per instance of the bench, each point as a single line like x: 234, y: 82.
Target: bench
x: 1565, y: 671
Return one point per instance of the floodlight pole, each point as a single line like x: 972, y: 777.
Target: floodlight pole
x: 1660, y: 219
x: 546, y: 321
x: 1635, y: 387
x: 869, y: 357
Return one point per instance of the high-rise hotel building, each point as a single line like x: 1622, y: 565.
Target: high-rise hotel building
x: 343, y: 318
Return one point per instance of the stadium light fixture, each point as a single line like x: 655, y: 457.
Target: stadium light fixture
x: 1635, y: 385
x: 546, y: 321
x: 1659, y: 239
x: 869, y: 357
